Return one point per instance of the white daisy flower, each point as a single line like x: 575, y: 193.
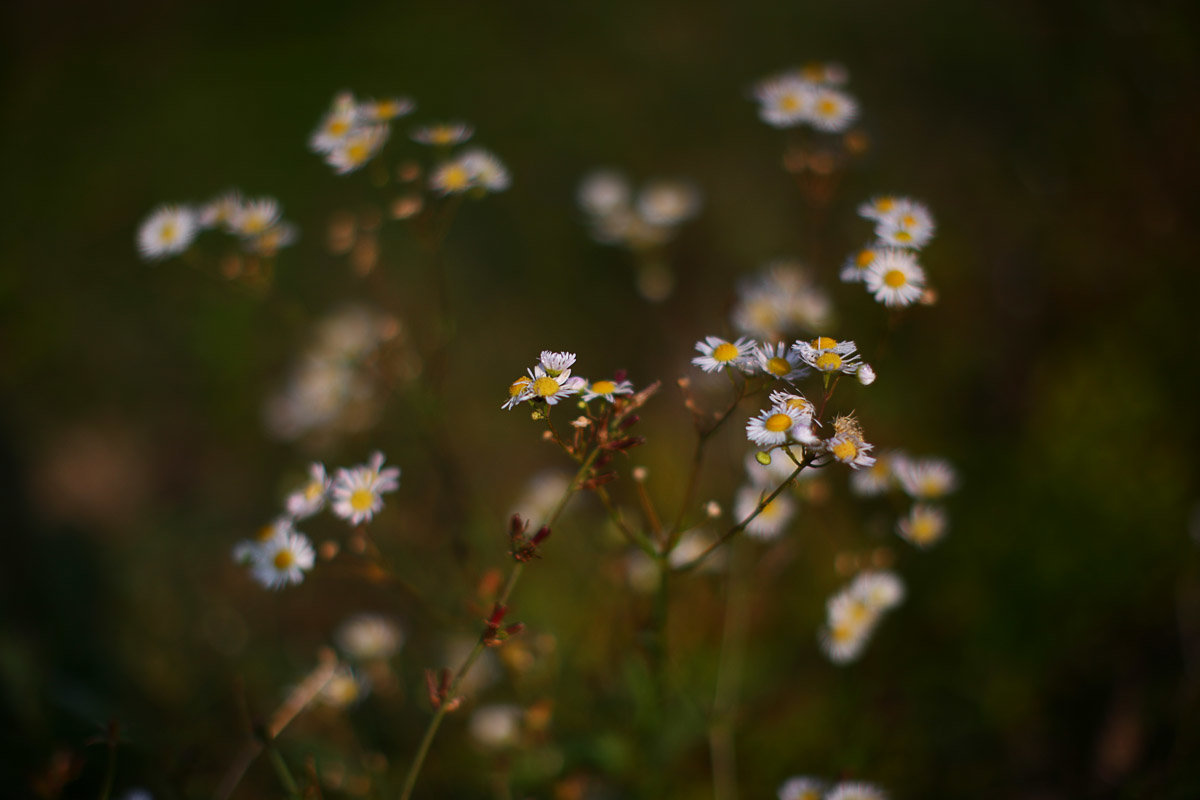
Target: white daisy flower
x: 221, y: 210
x: 345, y: 688
x: 246, y: 551
x: 283, y: 560
x: 717, y: 353
x: 832, y: 110
x: 668, y: 203
x: 877, y: 479
x: 336, y: 125
x: 854, y: 268
x: 924, y: 525
x: 256, y: 217
x: 911, y: 229
x: 518, y: 392
x: 604, y: 192
x: 927, y: 478
x: 801, y: 787
x: 607, y: 389
x: 855, y: 791
x: 452, y: 177
x: 849, y: 449
x: 771, y: 520
x: 828, y: 355
x: 778, y: 362
x: 896, y: 279
x: 552, y: 388
x: 779, y: 425
x: 310, y: 498
x: 443, y: 134
x: 880, y: 207
x: 369, y: 637
x: 166, y: 232
x: 271, y: 240
x: 879, y: 590
x: 384, y: 110
x: 554, y: 363
x: 486, y: 170
x: 356, y: 494
x: 793, y: 401
x: 786, y: 101
x: 357, y: 148
x: 849, y: 623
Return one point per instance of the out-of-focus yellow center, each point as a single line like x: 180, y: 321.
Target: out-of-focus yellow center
x: 923, y: 528
x: 931, y: 487
x: 168, y: 231
x: 902, y: 236
x: 283, y: 559
x: 254, y: 224
x: 604, y: 387
x: 778, y: 423
x: 361, y: 499
x: 455, y: 178
x: 338, y: 127
x: 845, y: 450
x: 724, y: 352
x: 895, y: 278
x: 313, y: 491
x: 829, y: 361
x: 908, y: 221
x: 789, y: 102
x: 823, y: 343
x: 442, y: 135
x: 864, y: 258
x: 357, y: 152
x: 778, y: 366
x: 885, y: 204
x: 265, y: 533
x: 546, y: 387
x: 827, y: 107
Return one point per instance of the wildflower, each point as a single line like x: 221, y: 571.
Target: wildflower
x: 776, y: 361
x: 780, y: 300
x: 849, y: 622
x: 496, y: 725
x: 927, y: 478
x: 518, y: 392
x: 345, y: 688
x: 771, y: 520
x: 166, y: 232
x: 487, y: 171
x: 256, y: 216
x: 269, y: 241
x: 668, y: 203
x: 335, y: 125
x: 603, y: 192
x: 717, y: 353
x: 384, y: 110
x: 369, y: 637
x: 310, y: 498
x: 552, y: 388
x: 847, y: 445
x: 443, y: 134
x: 925, y: 525
x: 786, y: 101
x: 245, y: 552
x: 221, y: 210
x: 452, y: 177
x: 832, y: 110
x: 879, y: 590
x: 356, y: 148
x: 607, y: 389
x: 795, y: 402
x: 555, y: 363
x: 854, y: 268
x: 877, y: 479
x: 855, y: 791
x: 908, y: 224
x: 895, y: 278
x: 801, y: 788
x: 828, y: 355
x: 878, y: 208
x: 357, y: 493
x: 283, y: 559
x: 779, y: 425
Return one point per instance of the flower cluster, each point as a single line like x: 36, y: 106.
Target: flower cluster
x: 550, y: 380
x: 779, y: 302
x: 924, y: 480
x: 616, y: 216
x: 807, y: 96
x: 257, y: 224
x: 888, y: 266
x: 803, y: 787
x: 352, y: 132
x: 280, y: 555
x: 853, y: 613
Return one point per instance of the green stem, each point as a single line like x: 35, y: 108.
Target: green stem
x: 281, y: 771
x: 729, y: 675
x: 110, y: 770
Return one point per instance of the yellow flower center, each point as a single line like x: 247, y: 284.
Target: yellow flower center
x: 168, y: 232
x: 843, y: 633
x: 908, y: 221
x: 518, y: 386
x: 338, y: 127
x: 885, y: 204
x: 931, y: 487
x: 923, y: 529
x: 455, y: 178
x: 357, y: 152
x: 604, y: 387
x: 265, y: 533
x: 778, y: 423
x: 845, y: 450
x: 724, y: 352
x: 313, y: 491
x: 789, y: 102
x: 441, y: 135
x: 823, y: 343
x: 829, y: 361
x: 827, y: 107
x: 283, y: 559
x: 895, y: 278
x: 362, y: 499
x: 546, y: 387
x: 864, y: 258
x: 254, y: 224
x: 798, y: 404
x: 778, y: 366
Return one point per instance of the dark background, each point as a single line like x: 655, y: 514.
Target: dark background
x: 1049, y: 646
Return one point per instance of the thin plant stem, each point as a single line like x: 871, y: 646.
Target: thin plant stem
x: 729, y: 676
x: 443, y: 708
x: 634, y: 537
x: 281, y: 770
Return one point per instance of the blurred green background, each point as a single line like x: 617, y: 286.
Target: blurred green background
x: 1049, y: 647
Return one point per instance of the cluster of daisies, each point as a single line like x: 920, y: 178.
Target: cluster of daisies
x: 888, y: 266
x: 853, y: 614
x: 550, y: 380
x: 803, y: 787
x: 809, y: 95
x: 924, y: 480
x: 780, y: 300
x: 647, y: 218
x: 280, y: 554
x: 332, y: 386
x: 353, y: 132
x: 257, y: 224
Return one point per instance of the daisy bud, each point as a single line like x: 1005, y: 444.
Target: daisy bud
x: 866, y: 375
x: 763, y: 458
